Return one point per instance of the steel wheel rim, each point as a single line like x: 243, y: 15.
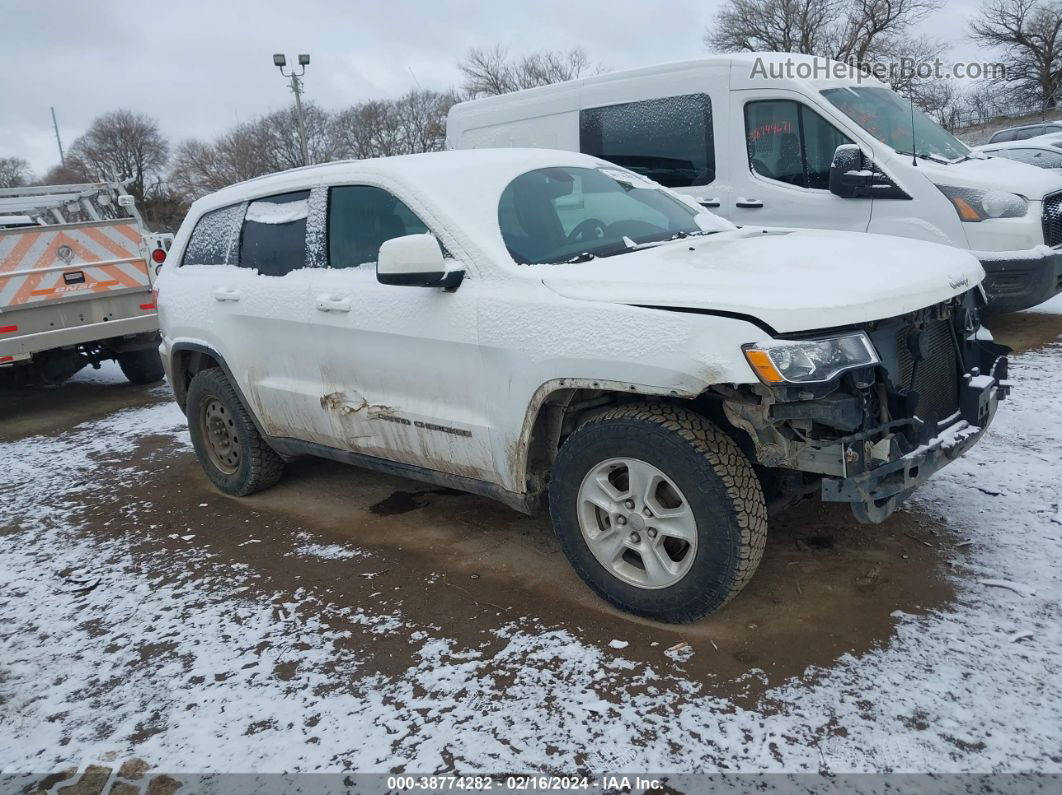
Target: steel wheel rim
x: 219, y: 431
x: 637, y: 523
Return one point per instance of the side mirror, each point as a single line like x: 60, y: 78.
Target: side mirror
x: 415, y: 261
x: 854, y: 176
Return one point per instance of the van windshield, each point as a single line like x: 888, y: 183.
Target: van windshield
x: 566, y: 214
x: 887, y: 116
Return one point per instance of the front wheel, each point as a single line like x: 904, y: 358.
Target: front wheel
x: 658, y: 510
x: 142, y: 366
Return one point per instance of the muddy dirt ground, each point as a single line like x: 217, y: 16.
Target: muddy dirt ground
x: 827, y: 586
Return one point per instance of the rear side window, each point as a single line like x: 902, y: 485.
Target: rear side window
x: 791, y: 143
x: 274, y: 234
x: 215, y: 239
x: 668, y: 140
x: 361, y: 218
x: 1002, y: 137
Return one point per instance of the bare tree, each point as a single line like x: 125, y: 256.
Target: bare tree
x: 280, y: 133
x: 855, y: 31
x: 491, y: 71
x: 14, y: 172
x: 1029, y: 35
x: 120, y: 144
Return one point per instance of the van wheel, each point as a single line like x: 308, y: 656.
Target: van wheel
x: 143, y: 366
x: 229, y: 448
x: 658, y: 510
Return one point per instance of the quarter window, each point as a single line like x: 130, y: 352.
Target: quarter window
x: 362, y: 218
x: 791, y: 143
x: 215, y: 239
x: 274, y: 234
x: 669, y: 139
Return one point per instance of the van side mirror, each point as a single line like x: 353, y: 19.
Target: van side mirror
x: 854, y: 176
x: 415, y: 261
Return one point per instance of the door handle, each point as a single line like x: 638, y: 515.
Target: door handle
x: 748, y: 204
x: 333, y: 303
x: 713, y: 202
x: 226, y: 294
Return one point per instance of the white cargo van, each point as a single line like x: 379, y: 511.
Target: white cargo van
x: 757, y: 138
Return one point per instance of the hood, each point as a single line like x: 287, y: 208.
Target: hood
x: 1000, y: 173
x: 791, y: 280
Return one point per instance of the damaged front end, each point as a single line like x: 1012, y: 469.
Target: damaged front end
x: 873, y: 434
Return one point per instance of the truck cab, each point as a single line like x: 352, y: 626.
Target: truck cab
x: 783, y: 140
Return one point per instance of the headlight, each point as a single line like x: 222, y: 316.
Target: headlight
x: 809, y: 361
x: 975, y: 205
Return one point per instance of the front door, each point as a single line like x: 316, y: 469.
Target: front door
x: 399, y: 366
x: 782, y: 150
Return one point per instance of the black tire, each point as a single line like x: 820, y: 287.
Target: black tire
x: 143, y: 366
x: 253, y: 464
x: 714, y: 477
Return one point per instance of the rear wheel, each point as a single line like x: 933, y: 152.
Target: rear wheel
x: 658, y: 510
x: 142, y: 366
x: 231, y: 451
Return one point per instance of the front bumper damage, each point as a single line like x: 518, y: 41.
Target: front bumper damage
x: 875, y: 483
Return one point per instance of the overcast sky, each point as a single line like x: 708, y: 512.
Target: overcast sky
x: 199, y: 67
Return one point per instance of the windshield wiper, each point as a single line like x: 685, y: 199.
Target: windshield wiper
x: 927, y: 156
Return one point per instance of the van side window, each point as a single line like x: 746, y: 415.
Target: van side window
x: 362, y: 218
x: 274, y: 234
x: 791, y: 143
x: 669, y: 140
x: 215, y: 239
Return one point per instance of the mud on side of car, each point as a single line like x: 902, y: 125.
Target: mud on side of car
x: 555, y: 332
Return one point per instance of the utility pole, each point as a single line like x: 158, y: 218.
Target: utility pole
x: 280, y: 61
x: 58, y: 140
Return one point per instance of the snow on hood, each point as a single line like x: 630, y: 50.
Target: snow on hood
x: 1000, y: 173
x: 792, y: 281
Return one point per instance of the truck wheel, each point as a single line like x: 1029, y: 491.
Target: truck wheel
x: 143, y: 366
x: 229, y: 448
x: 658, y: 510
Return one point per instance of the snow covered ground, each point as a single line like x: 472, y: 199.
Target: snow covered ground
x: 115, y: 647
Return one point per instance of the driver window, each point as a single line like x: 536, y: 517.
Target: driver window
x: 361, y: 218
x: 790, y: 143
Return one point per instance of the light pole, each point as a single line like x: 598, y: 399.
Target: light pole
x: 279, y: 61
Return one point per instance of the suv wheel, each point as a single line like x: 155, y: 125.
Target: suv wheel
x: 658, y: 510
x: 143, y: 366
x: 229, y: 448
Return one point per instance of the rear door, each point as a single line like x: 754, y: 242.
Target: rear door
x: 246, y: 269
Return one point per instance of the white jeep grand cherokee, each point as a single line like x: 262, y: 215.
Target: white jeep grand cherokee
x: 539, y: 326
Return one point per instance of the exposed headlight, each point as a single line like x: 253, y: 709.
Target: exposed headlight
x: 976, y: 205
x: 809, y: 361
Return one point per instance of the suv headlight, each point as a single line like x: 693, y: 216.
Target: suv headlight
x: 975, y: 205
x: 809, y: 361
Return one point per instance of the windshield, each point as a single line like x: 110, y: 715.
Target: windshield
x: 887, y: 116
x: 564, y: 214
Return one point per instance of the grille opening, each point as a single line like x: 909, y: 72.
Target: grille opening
x: 1052, y: 219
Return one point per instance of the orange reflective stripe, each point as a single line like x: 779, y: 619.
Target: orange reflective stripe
x: 19, y: 251
x: 116, y: 250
